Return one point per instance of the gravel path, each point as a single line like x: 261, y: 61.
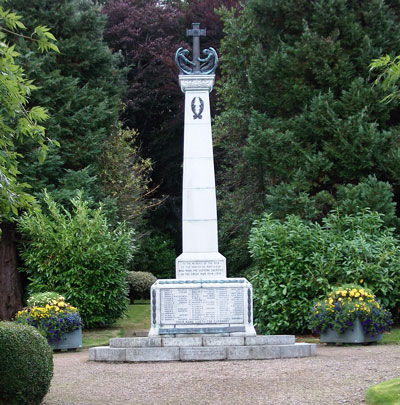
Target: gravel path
x: 337, y: 375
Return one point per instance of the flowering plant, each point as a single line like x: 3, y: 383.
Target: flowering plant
x: 344, y: 306
x: 53, y: 319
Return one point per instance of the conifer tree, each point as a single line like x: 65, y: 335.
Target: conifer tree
x: 302, y: 127
x: 81, y: 87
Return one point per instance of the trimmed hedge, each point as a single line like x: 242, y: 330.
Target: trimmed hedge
x: 26, y: 364
x: 140, y: 283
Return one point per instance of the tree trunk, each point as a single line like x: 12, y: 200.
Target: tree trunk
x: 10, y: 281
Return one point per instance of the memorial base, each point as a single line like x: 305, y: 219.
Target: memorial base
x: 202, y: 307
x: 201, y: 348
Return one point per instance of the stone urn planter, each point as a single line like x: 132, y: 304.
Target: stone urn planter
x: 355, y: 334
x: 352, y: 309
x: 70, y: 340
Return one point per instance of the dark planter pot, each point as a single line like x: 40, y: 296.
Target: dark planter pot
x: 71, y: 340
x: 355, y: 334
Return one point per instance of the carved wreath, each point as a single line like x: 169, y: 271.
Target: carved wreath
x: 201, y: 108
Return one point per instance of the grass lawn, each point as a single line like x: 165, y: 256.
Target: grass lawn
x: 392, y: 337
x: 137, y: 318
x: 387, y: 393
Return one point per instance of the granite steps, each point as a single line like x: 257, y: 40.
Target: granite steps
x: 201, y: 348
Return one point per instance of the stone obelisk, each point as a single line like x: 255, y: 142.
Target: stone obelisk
x: 200, y: 300
x: 200, y: 258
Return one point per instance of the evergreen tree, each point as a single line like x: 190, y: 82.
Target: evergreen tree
x: 81, y: 87
x: 302, y: 127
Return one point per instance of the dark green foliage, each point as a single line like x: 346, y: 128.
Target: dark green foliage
x: 78, y: 254
x: 157, y: 256
x: 301, y: 122
x: 297, y: 262
x: 81, y: 87
x: 140, y: 283
x: 369, y: 193
x: 26, y: 364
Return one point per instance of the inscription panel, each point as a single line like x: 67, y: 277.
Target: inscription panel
x: 201, y: 269
x: 213, y: 305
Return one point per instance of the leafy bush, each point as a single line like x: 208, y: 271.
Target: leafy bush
x: 26, y: 364
x: 344, y: 306
x: 77, y: 253
x: 296, y: 262
x: 53, y: 318
x: 139, y: 284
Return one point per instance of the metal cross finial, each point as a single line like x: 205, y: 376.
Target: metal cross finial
x: 196, y: 33
x: 203, y: 66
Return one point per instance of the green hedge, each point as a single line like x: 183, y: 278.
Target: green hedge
x: 26, y: 365
x: 297, y: 262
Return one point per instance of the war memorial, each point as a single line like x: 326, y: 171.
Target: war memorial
x: 201, y: 314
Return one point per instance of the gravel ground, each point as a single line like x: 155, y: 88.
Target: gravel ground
x: 337, y: 375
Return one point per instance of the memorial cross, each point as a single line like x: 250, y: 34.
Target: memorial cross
x: 196, y: 33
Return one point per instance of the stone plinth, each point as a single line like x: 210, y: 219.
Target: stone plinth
x: 201, y: 348
x: 189, y: 307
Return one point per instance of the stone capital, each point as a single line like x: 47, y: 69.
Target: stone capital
x: 196, y: 82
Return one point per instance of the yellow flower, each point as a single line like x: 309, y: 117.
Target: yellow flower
x: 361, y: 281
x: 361, y: 298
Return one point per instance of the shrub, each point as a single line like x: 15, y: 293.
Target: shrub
x: 344, y: 305
x: 26, y: 364
x: 79, y: 254
x: 139, y: 284
x: 297, y: 262
x: 53, y: 318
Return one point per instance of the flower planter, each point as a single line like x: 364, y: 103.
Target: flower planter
x: 355, y: 334
x: 71, y: 340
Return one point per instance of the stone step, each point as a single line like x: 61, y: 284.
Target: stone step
x: 201, y: 353
x: 199, y: 341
